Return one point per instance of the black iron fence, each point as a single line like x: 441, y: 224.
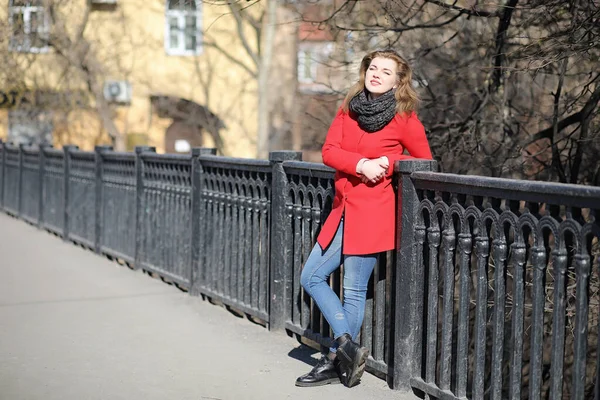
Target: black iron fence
x: 233, y: 250
x: 508, y: 277
x: 492, y: 293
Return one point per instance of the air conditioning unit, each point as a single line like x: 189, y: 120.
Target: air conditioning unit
x: 117, y: 91
x: 104, y: 1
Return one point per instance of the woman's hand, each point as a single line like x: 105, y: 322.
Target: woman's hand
x: 373, y: 170
x: 383, y: 162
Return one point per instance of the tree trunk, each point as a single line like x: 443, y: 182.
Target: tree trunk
x: 262, y: 142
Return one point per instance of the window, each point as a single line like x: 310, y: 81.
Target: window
x: 307, y: 66
x: 29, y: 26
x: 183, y: 25
x: 312, y: 58
x: 30, y: 126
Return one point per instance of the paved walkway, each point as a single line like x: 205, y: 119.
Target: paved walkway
x: 76, y: 326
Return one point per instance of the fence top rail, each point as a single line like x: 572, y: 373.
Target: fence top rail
x: 82, y: 154
x: 149, y: 156
x: 32, y: 150
x: 10, y: 147
x: 50, y: 151
x: 118, y: 156
x: 250, y: 164
x: 510, y: 189
x: 311, y: 169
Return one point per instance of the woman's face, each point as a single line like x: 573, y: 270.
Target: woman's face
x: 381, y: 76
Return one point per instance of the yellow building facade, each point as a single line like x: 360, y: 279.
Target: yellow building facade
x: 171, y: 74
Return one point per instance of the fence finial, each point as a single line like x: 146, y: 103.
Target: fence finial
x: 143, y: 149
x: 203, y: 151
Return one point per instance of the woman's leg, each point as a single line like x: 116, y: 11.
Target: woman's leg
x: 320, y: 264
x: 357, y: 271
x: 352, y: 357
x: 314, y: 279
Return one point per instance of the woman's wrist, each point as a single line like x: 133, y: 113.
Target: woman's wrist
x: 360, y: 164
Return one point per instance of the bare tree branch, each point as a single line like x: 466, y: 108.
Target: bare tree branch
x: 574, y: 118
x: 586, y: 118
x: 239, y: 22
x: 556, y: 164
x: 230, y: 57
x: 472, y: 12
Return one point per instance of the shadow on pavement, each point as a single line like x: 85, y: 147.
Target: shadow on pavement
x: 304, y: 353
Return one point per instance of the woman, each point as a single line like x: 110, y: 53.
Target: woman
x: 369, y: 133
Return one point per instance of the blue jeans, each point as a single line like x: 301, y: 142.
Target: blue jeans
x: 346, y: 318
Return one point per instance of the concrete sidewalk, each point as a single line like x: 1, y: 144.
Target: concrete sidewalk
x: 75, y: 326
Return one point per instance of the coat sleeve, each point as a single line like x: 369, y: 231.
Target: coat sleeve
x: 333, y: 154
x: 414, y: 140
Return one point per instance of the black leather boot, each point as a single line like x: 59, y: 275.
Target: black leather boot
x: 352, y: 359
x: 324, y: 373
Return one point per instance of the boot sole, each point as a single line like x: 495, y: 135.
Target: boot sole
x: 355, y: 370
x: 331, y: 381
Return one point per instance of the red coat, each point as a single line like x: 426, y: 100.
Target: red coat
x: 369, y: 209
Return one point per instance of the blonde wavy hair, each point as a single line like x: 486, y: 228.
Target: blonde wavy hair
x: 407, y: 98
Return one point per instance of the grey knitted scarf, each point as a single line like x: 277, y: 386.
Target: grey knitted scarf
x: 373, y: 115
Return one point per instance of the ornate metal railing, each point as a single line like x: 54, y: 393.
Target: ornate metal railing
x: 118, y: 206
x: 235, y: 206
x: 81, y: 200
x: 493, y: 291
x: 12, y: 185
x: 165, y: 220
x: 508, y: 274
x: 52, y: 211
x: 307, y: 204
x: 30, y: 184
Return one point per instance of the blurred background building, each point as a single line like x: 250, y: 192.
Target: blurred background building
x: 172, y: 74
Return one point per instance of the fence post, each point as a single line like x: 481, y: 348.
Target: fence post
x: 139, y: 200
x: 42, y: 173
x: 98, y: 208
x: 409, y: 291
x: 20, y: 184
x: 280, y: 237
x: 66, y: 186
x: 197, y: 237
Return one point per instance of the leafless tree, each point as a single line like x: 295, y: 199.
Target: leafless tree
x: 509, y: 88
x: 256, y: 24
